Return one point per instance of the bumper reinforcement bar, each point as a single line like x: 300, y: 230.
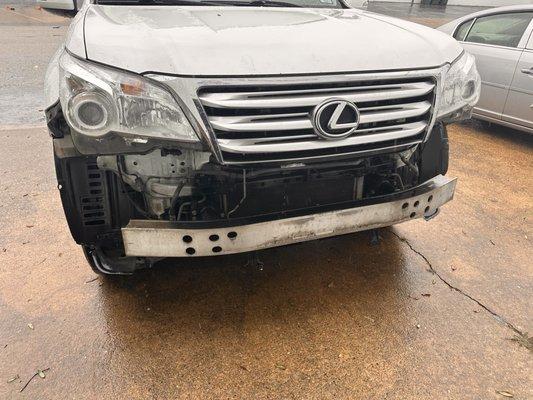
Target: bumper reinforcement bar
x: 145, y: 238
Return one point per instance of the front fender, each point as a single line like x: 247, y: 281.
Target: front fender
x: 51, y: 80
x: 74, y: 43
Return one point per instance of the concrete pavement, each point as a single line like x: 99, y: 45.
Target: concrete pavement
x: 429, y: 313
x: 28, y: 39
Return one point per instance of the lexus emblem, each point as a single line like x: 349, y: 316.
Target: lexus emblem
x: 335, y: 119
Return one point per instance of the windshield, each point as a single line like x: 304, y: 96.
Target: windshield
x: 230, y: 3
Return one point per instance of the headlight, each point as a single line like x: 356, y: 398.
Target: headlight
x: 97, y: 100
x: 461, y: 86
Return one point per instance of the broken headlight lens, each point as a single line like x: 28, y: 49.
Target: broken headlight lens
x: 461, y: 86
x: 97, y: 100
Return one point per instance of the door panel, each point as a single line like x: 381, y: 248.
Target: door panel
x: 519, y: 106
x: 496, y: 65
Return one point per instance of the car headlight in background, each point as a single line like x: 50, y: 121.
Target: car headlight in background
x: 97, y: 100
x: 460, y: 87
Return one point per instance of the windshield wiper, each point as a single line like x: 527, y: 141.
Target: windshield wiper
x: 266, y: 3
x: 253, y: 3
x: 164, y: 2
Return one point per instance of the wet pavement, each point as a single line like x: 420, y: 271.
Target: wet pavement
x: 429, y: 313
x: 28, y: 39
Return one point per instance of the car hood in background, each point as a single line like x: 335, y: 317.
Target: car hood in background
x: 229, y: 41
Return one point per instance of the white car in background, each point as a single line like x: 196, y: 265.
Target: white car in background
x: 501, y: 39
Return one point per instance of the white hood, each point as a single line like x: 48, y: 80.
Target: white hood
x: 230, y: 41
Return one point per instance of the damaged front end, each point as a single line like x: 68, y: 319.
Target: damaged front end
x: 234, y: 165
x: 128, y: 210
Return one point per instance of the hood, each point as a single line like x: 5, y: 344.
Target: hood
x: 233, y: 41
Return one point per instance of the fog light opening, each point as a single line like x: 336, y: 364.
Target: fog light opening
x: 469, y: 90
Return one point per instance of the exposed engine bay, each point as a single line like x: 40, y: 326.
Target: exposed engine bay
x: 186, y: 186
x: 114, y: 201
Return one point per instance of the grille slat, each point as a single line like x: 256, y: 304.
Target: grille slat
x: 311, y: 97
x: 284, y: 145
x: 269, y: 123
x: 280, y: 122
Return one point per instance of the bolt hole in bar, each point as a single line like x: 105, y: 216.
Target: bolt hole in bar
x: 232, y: 235
x: 217, y: 249
x: 187, y: 239
x: 214, y: 238
x: 190, y: 251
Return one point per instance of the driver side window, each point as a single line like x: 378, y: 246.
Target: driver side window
x: 500, y: 30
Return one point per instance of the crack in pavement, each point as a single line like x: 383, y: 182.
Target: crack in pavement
x: 497, y: 316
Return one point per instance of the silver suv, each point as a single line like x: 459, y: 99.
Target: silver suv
x: 195, y: 128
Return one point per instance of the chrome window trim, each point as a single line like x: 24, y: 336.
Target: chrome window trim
x: 528, y: 39
x: 187, y: 89
x: 470, y: 28
x: 495, y: 46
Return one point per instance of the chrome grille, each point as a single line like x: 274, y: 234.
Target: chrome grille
x: 273, y: 122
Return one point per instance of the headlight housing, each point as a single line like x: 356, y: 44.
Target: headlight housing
x: 98, y: 100
x: 460, y: 87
